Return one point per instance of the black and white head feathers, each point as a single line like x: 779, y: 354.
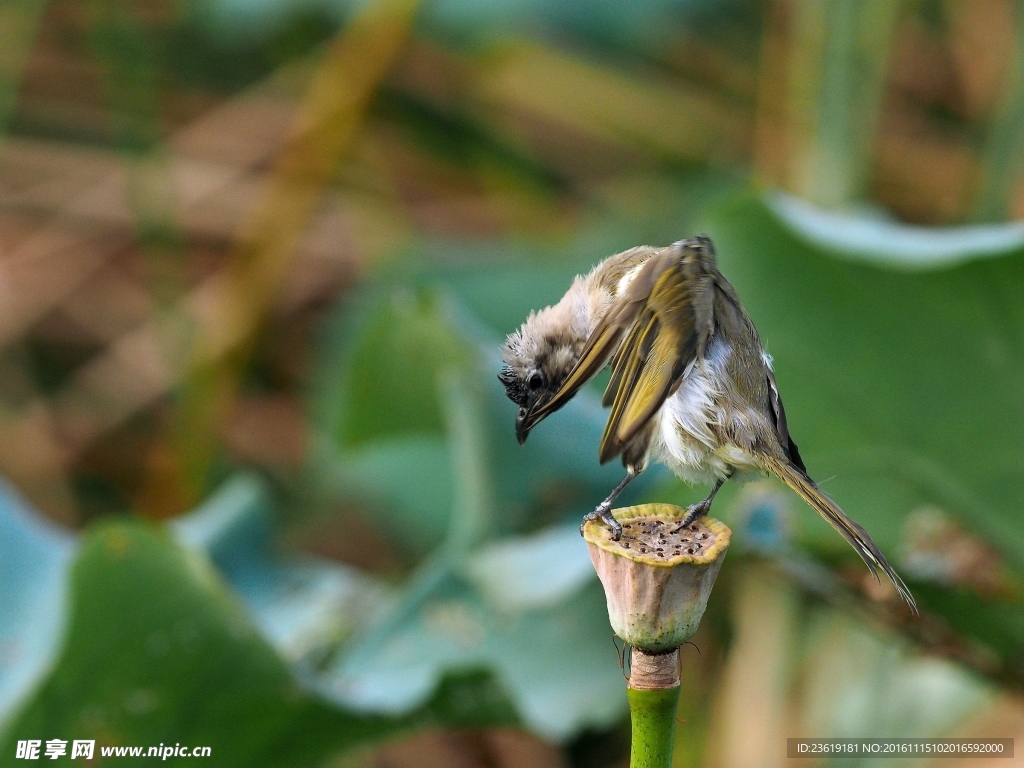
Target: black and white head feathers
x: 541, y: 353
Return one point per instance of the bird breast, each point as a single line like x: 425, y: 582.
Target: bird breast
x: 698, y: 424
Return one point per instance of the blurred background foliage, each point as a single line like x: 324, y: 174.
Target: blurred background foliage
x: 256, y: 261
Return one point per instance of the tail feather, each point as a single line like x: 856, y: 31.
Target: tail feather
x: 828, y: 509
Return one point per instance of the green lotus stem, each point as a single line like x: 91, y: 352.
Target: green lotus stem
x: 657, y: 580
x: 652, y: 719
x: 653, y: 695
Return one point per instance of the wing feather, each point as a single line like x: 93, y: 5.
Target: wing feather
x: 604, y: 340
x: 653, y: 334
x: 781, y: 425
x: 661, y: 343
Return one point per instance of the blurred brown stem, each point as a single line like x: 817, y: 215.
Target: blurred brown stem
x: 332, y: 112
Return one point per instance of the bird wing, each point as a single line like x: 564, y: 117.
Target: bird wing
x: 781, y: 426
x: 655, y: 331
x: 605, y: 338
x: 661, y: 342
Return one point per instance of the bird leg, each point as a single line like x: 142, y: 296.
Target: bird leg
x: 603, y: 510
x: 701, y: 508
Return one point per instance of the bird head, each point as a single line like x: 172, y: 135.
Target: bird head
x: 538, y: 357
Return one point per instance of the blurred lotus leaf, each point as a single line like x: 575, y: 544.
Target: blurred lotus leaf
x: 536, y: 571
x: 557, y: 664
x: 34, y: 561
x: 157, y: 648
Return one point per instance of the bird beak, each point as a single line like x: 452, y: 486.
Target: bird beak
x: 524, y: 423
x: 530, y: 415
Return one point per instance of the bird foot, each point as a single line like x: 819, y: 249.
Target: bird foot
x: 603, y: 512
x: 693, y: 512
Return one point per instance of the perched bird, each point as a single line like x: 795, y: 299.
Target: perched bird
x: 691, y: 384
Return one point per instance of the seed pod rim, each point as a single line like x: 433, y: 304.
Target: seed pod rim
x: 598, y: 533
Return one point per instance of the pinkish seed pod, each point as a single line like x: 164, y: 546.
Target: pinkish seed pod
x: 656, y: 600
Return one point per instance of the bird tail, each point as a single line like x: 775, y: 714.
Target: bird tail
x: 828, y: 509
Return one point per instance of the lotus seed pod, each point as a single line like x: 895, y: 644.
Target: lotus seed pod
x: 657, y: 580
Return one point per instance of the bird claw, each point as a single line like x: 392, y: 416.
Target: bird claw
x: 603, y: 512
x: 693, y: 512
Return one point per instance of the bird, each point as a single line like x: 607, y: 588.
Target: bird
x: 691, y: 385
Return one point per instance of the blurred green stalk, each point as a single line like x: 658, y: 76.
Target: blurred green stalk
x: 837, y: 70
x: 19, y: 21
x: 1003, y: 154
x: 652, y: 720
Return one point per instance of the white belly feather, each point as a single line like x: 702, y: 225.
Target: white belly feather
x: 685, y: 438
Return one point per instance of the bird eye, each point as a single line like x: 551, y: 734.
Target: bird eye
x: 536, y: 380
